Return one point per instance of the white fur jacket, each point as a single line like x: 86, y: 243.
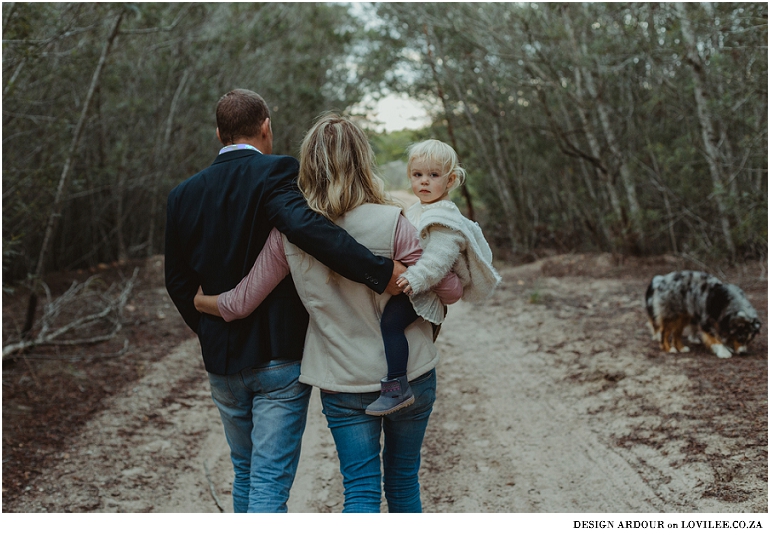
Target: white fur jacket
x: 453, y: 242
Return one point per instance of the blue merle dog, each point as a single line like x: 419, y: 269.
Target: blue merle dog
x: 692, y: 299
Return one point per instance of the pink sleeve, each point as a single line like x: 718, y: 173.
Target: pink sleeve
x: 406, y: 245
x: 408, y: 250
x: 269, y: 269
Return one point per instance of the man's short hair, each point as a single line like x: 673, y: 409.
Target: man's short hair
x: 240, y: 113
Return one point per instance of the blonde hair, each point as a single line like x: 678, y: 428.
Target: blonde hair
x: 336, y: 172
x: 440, y: 153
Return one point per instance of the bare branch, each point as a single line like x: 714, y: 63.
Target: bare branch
x: 168, y: 28
x: 54, y: 215
x: 11, y: 9
x: 72, y: 300
x: 77, y: 357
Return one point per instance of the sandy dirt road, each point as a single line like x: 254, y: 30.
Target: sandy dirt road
x: 551, y: 399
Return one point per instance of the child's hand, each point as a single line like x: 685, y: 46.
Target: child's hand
x: 404, y: 285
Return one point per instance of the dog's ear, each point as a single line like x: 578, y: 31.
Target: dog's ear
x: 717, y: 301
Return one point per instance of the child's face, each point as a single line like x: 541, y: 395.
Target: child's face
x: 430, y: 182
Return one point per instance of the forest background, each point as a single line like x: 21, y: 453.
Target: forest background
x: 631, y: 128
x: 632, y: 135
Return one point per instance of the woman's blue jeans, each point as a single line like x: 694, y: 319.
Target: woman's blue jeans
x: 264, y: 411
x: 357, y: 436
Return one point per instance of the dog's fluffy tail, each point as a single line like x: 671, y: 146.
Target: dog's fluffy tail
x: 648, y: 299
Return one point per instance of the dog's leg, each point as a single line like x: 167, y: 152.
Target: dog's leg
x: 654, y: 331
x: 739, y: 349
x: 676, y: 334
x: 716, y: 346
x: 691, y: 333
x: 665, y: 335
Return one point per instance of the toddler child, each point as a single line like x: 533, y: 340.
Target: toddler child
x: 450, y: 242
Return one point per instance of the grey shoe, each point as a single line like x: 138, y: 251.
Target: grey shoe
x: 395, y: 394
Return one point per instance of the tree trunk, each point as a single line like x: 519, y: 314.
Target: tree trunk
x: 163, y: 168
x: 506, y: 200
x: 708, y: 133
x: 587, y: 179
x: 659, y: 185
x: 56, y: 208
x: 625, y: 176
x: 571, y: 149
x: 593, y: 143
x: 10, y: 84
x: 609, y: 134
x: 450, y: 129
x: 55, y: 215
x: 119, y: 197
x: 503, y: 158
x: 728, y: 159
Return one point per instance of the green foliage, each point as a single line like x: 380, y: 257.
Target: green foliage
x: 151, y: 123
x: 577, y: 123
x: 392, y: 146
x: 580, y: 122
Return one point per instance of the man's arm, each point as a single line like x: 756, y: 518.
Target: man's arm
x: 288, y: 211
x: 181, y: 281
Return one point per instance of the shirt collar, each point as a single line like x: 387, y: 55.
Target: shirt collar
x: 239, y: 146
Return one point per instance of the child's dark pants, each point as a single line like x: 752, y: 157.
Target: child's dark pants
x: 396, y: 317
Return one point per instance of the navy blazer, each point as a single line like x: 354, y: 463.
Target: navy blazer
x: 217, y: 223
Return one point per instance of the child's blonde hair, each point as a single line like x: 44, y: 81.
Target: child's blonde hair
x: 438, y: 152
x: 336, y: 172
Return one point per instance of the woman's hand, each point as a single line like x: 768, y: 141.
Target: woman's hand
x: 197, y: 301
x: 206, y: 304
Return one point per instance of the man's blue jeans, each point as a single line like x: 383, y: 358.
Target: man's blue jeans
x: 357, y: 436
x: 264, y: 411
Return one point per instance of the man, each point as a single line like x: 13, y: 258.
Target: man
x: 217, y: 223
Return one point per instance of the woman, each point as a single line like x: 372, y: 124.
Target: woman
x: 344, y: 353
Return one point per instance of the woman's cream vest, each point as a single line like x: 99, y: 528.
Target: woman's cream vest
x: 343, y: 347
